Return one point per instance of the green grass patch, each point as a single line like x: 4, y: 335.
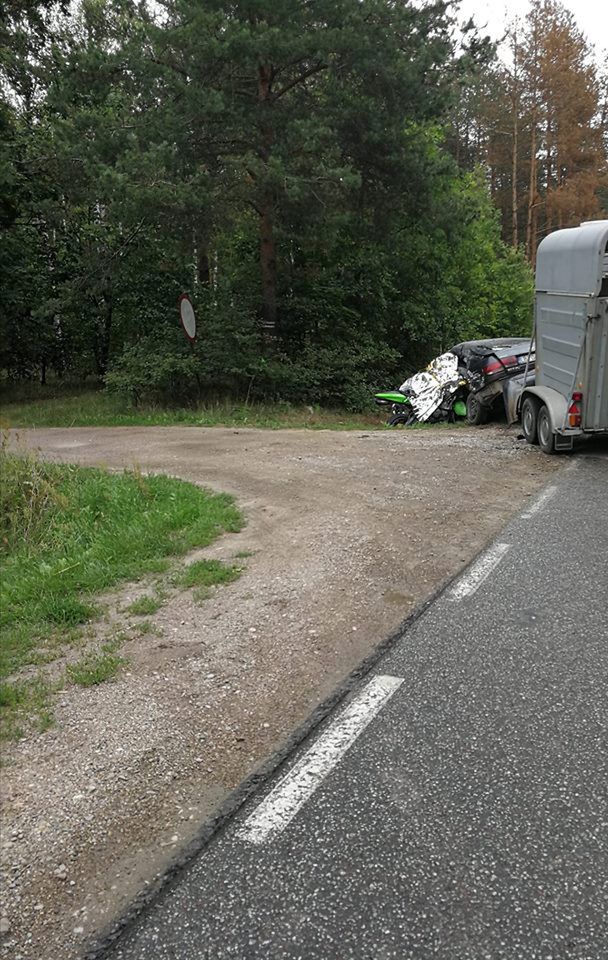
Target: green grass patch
x: 94, y: 669
x: 207, y: 573
x: 144, y: 606
x: 66, y: 535
x: 24, y: 704
x: 96, y: 408
x: 93, y: 531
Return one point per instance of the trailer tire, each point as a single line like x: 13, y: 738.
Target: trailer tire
x: 529, y: 420
x: 546, y: 437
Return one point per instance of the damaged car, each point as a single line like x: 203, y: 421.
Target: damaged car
x: 466, y: 381
x: 486, y: 365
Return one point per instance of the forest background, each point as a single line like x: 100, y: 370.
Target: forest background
x: 345, y: 188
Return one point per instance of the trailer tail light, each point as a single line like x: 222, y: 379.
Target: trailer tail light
x: 495, y: 365
x: 575, y: 410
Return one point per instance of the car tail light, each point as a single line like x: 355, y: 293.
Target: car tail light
x: 575, y: 410
x: 495, y: 365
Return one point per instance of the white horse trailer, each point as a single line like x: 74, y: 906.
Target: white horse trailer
x: 569, y: 397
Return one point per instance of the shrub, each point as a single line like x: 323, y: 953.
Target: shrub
x: 28, y: 493
x: 144, y: 373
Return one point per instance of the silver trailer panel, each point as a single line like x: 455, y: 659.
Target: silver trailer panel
x: 595, y: 409
x: 560, y: 334
x: 571, y: 325
x: 572, y: 261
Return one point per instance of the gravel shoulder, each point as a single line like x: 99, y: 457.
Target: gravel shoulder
x: 347, y: 533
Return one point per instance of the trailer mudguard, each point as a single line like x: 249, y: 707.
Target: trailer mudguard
x: 555, y: 402
x: 512, y: 390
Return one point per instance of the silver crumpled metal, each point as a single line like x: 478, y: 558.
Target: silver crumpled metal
x: 428, y: 388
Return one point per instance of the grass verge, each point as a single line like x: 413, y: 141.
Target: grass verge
x: 69, y: 533
x: 96, y: 408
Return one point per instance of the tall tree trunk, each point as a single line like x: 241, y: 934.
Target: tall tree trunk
x: 514, y: 223
x: 534, y: 232
x: 102, y: 352
x: 268, y: 261
x: 515, y: 146
x: 532, y: 72
x: 530, y: 238
x: 203, y: 268
x: 549, y: 162
x: 268, y: 266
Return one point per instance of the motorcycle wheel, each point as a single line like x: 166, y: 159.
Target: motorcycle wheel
x: 406, y: 419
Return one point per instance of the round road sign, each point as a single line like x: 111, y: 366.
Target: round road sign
x: 186, y: 315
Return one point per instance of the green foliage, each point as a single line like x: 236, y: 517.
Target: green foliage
x: 470, y: 284
x: 145, y: 373
x: 284, y: 166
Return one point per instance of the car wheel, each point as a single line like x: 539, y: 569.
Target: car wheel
x: 529, y: 420
x: 546, y: 437
x: 476, y: 412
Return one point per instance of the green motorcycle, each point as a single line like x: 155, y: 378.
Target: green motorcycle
x: 453, y: 408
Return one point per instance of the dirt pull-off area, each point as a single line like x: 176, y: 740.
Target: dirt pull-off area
x: 347, y: 533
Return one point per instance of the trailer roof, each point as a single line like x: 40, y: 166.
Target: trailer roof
x: 573, y: 261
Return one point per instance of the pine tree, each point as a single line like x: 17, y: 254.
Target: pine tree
x: 544, y: 141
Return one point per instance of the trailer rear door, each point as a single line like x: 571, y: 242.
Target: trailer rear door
x: 595, y: 404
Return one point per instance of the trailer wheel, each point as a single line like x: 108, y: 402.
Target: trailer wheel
x: 546, y: 437
x: 529, y: 420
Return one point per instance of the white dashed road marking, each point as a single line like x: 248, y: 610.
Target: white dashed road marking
x: 539, y: 502
x: 283, y: 802
x: 476, y: 574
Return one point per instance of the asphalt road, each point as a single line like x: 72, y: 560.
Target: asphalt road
x: 456, y: 807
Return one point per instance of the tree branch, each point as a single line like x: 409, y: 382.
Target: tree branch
x: 297, y: 80
x: 172, y: 66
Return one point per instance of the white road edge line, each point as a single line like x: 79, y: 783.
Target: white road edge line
x: 297, y: 786
x: 539, y: 502
x: 481, y: 569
